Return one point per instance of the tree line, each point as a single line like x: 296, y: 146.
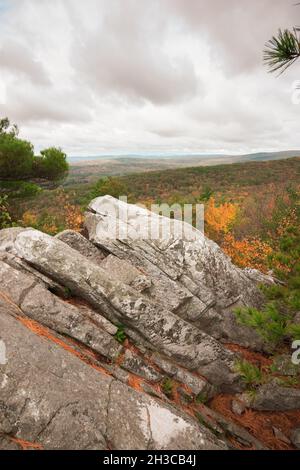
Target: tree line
x: 17, y: 159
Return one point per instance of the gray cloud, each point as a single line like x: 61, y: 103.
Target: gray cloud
x: 38, y: 104
x: 125, y: 55
x: 236, y: 29
x: 17, y: 59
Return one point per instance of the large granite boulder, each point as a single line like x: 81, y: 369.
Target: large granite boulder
x: 190, y: 275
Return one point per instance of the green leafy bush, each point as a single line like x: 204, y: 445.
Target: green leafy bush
x: 29, y: 189
x: 109, y: 185
x: 52, y: 164
x: 16, y: 157
x: 269, y: 322
x: 250, y: 374
x: 19, y: 189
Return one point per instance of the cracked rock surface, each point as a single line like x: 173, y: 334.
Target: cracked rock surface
x: 50, y: 397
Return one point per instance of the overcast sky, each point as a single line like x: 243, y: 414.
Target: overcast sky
x: 112, y: 76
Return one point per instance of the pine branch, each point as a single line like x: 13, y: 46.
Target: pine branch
x: 282, y: 51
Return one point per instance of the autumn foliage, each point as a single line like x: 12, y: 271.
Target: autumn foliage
x: 249, y: 252
x: 73, y: 214
x: 70, y: 216
x: 219, y: 218
x: 246, y: 252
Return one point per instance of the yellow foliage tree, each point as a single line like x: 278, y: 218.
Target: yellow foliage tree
x: 219, y: 219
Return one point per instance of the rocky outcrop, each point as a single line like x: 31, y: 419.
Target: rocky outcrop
x: 190, y: 275
x: 162, y: 329
x: 118, y: 343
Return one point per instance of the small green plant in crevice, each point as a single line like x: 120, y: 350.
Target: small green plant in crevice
x: 273, y: 368
x: 206, y: 424
x: 67, y: 293
x: 250, y: 374
x: 167, y: 387
x: 251, y: 394
x: 286, y: 376
x: 269, y: 322
x: 61, y: 291
x: 120, y: 334
x: 201, y: 398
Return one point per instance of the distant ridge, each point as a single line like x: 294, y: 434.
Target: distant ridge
x: 264, y: 156
x: 228, y: 158
x: 87, y: 169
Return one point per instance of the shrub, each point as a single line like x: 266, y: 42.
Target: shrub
x: 269, y: 322
x: 206, y: 195
x: 167, y: 387
x: 29, y: 219
x: 5, y: 218
x: 73, y: 215
x: 250, y: 373
x: 15, y: 189
x: 120, y: 334
x: 16, y: 157
x: 109, y: 185
x: 274, y: 321
x: 52, y: 164
x: 29, y: 189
